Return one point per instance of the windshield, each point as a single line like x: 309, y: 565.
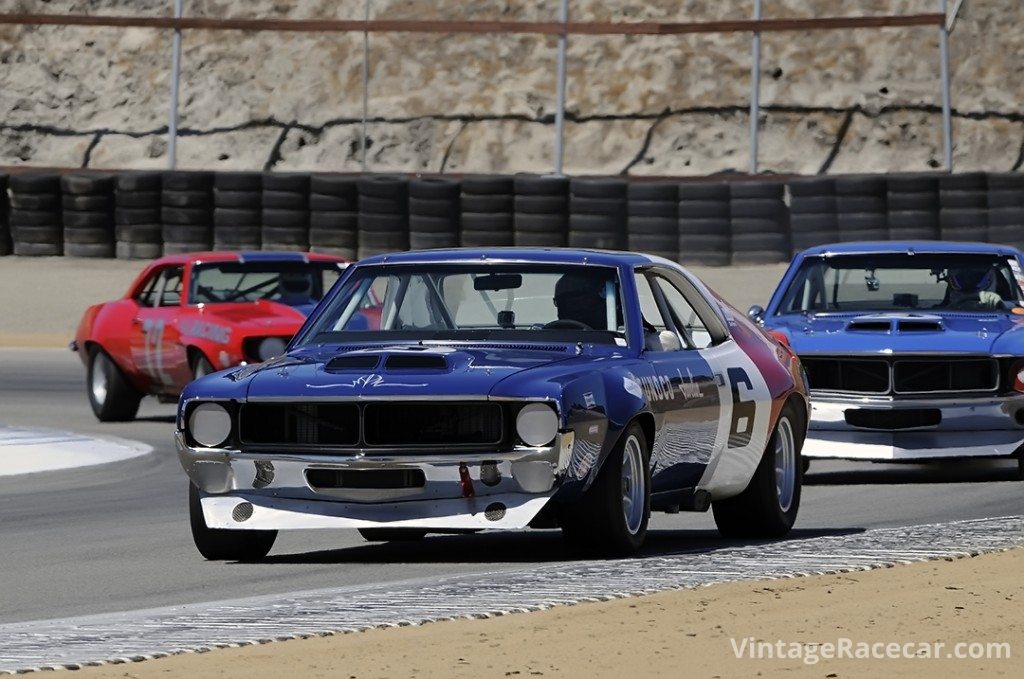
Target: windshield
x: 557, y: 303
x: 296, y: 284
x: 901, y: 282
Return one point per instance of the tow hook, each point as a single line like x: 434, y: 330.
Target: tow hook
x: 465, y: 482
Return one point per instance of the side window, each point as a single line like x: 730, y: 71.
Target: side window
x: 171, y: 287
x: 686, y: 318
x: 657, y: 335
x: 148, y: 292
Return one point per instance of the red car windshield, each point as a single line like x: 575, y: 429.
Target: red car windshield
x: 291, y: 283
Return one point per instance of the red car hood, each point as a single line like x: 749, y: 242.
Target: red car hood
x: 255, y: 315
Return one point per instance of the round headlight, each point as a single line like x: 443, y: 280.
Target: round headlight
x: 209, y: 424
x: 537, y: 424
x: 270, y: 348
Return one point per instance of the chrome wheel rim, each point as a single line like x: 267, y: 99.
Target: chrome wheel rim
x: 200, y: 370
x: 100, y: 368
x: 785, y: 463
x: 634, y: 484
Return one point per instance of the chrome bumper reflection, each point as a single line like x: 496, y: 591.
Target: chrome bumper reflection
x: 508, y: 489
x: 975, y: 427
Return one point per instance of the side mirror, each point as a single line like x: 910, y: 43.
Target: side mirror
x: 756, y: 313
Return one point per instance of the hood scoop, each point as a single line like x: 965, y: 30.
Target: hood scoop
x: 353, y: 362
x: 896, y: 324
x: 923, y: 325
x: 415, y: 362
x: 869, y: 326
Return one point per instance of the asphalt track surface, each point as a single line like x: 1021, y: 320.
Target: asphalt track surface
x: 115, y: 537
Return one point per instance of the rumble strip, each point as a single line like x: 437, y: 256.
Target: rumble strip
x: 140, y: 635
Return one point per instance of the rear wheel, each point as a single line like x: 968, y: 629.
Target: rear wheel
x: 111, y: 395
x: 201, y: 367
x: 392, y: 534
x: 769, y: 505
x: 612, y: 517
x: 224, y: 544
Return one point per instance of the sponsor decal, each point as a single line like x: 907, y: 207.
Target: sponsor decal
x: 365, y: 381
x: 588, y: 399
x: 632, y: 387
x: 211, y: 331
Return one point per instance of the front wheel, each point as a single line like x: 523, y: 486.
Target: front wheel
x: 611, y: 519
x: 769, y: 505
x: 225, y: 544
x: 111, y: 395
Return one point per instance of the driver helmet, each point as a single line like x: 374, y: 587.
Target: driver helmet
x: 579, y: 296
x: 970, y: 280
x: 295, y: 285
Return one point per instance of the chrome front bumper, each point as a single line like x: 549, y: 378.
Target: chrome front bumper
x: 272, y: 491
x: 975, y: 427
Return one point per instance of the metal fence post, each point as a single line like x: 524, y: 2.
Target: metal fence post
x: 366, y: 84
x: 755, y: 89
x: 172, y: 123
x: 947, y: 114
x: 563, y: 16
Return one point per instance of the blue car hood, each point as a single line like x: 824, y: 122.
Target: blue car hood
x: 328, y: 373
x: 902, y: 332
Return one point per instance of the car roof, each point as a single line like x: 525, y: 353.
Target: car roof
x: 513, y: 254
x: 918, y: 246
x: 246, y: 256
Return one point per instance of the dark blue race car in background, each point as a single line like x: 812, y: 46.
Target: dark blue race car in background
x: 913, y: 350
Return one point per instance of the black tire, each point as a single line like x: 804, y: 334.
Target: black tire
x: 111, y: 395
x: 965, y: 181
x: 45, y: 234
x: 224, y: 544
x: 912, y: 183
x: 816, y: 186
x: 484, y: 185
x: 812, y: 205
x: 713, y: 191
x: 180, y: 233
x: 285, y: 200
x: 341, y: 221
x: 434, y: 188
x: 488, y: 204
x: 23, y: 249
x: 392, y: 534
x: 756, y: 190
x: 760, y: 248
x: 383, y: 224
x: 101, y: 203
x: 702, y: 209
x: 89, y: 236
x: 754, y: 226
x: 125, y: 250
x: 285, y: 219
x: 500, y: 223
x: 653, y: 208
x: 86, y: 185
x: 903, y: 202
x: 597, y: 523
x: 238, y: 181
x: 434, y: 207
x: 237, y: 238
x: 138, y: 181
x: 548, y: 224
x: 597, y: 206
x: 434, y: 224
x: 541, y: 205
x: 224, y: 216
x: 471, y: 238
x: 860, y: 186
x: 757, y: 512
x: 384, y: 186
x: 660, y: 192
x: 653, y: 244
x: 184, y: 247
x: 334, y: 185
x: 74, y: 219
x: 605, y: 189
x: 652, y: 226
x: 137, y: 199
x: 89, y: 250
x: 382, y: 206
x: 239, y: 200
x: 860, y: 204
x: 187, y: 181
x: 186, y: 216
x: 537, y: 185
x: 149, y: 234
x: 540, y: 240
x: 34, y: 183
x: 322, y: 202
x: 284, y: 238
x: 48, y: 202
x: 963, y: 199
x: 430, y: 240
x: 292, y: 182
x: 137, y: 215
x: 189, y: 199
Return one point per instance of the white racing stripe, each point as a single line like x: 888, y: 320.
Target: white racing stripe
x: 27, y: 451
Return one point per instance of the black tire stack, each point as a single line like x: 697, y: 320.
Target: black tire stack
x: 963, y: 207
x: 541, y: 211
x: 861, y: 208
x: 334, y: 215
x: 88, y: 202
x: 1006, y: 209
x: 34, y: 218
x: 812, y: 213
x: 5, y: 232
x: 137, y: 225
x: 383, y: 214
x: 912, y: 202
x: 434, y: 209
x: 598, y: 213
x: 652, y: 214
x: 758, y: 223
x: 703, y: 226
x: 186, y: 211
x: 285, y: 220
x: 237, y: 213
x: 488, y: 206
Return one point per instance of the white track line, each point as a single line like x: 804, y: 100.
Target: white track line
x: 28, y: 451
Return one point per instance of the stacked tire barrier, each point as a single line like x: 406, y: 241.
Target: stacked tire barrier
x: 434, y: 208
x: 383, y: 214
x: 137, y: 228
x: 912, y: 202
x: 285, y: 218
x: 237, y: 211
x: 963, y: 207
x: 5, y: 231
x: 88, y: 215
x: 186, y: 211
x: 1006, y: 209
x: 703, y: 212
x: 758, y: 222
x: 541, y: 211
x: 652, y: 214
x: 35, y: 215
x: 812, y: 213
x: 711, y: 222
x: 597, y: 213
x: 334, y: 215
x: 488, y: 206
x: 861, y: 208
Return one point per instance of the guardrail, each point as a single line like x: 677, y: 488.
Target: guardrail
x: 562, y: 29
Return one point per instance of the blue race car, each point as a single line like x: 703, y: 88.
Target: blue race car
x: 913, y: 350
x: 461, y: 390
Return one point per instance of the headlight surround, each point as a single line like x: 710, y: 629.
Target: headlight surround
x: 270, y: 347
x: 537, y: 424
x: 209, y: 424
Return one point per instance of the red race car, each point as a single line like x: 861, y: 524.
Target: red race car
x: 189, y: 315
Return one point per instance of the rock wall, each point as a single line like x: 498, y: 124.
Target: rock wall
x: 833, y: 101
